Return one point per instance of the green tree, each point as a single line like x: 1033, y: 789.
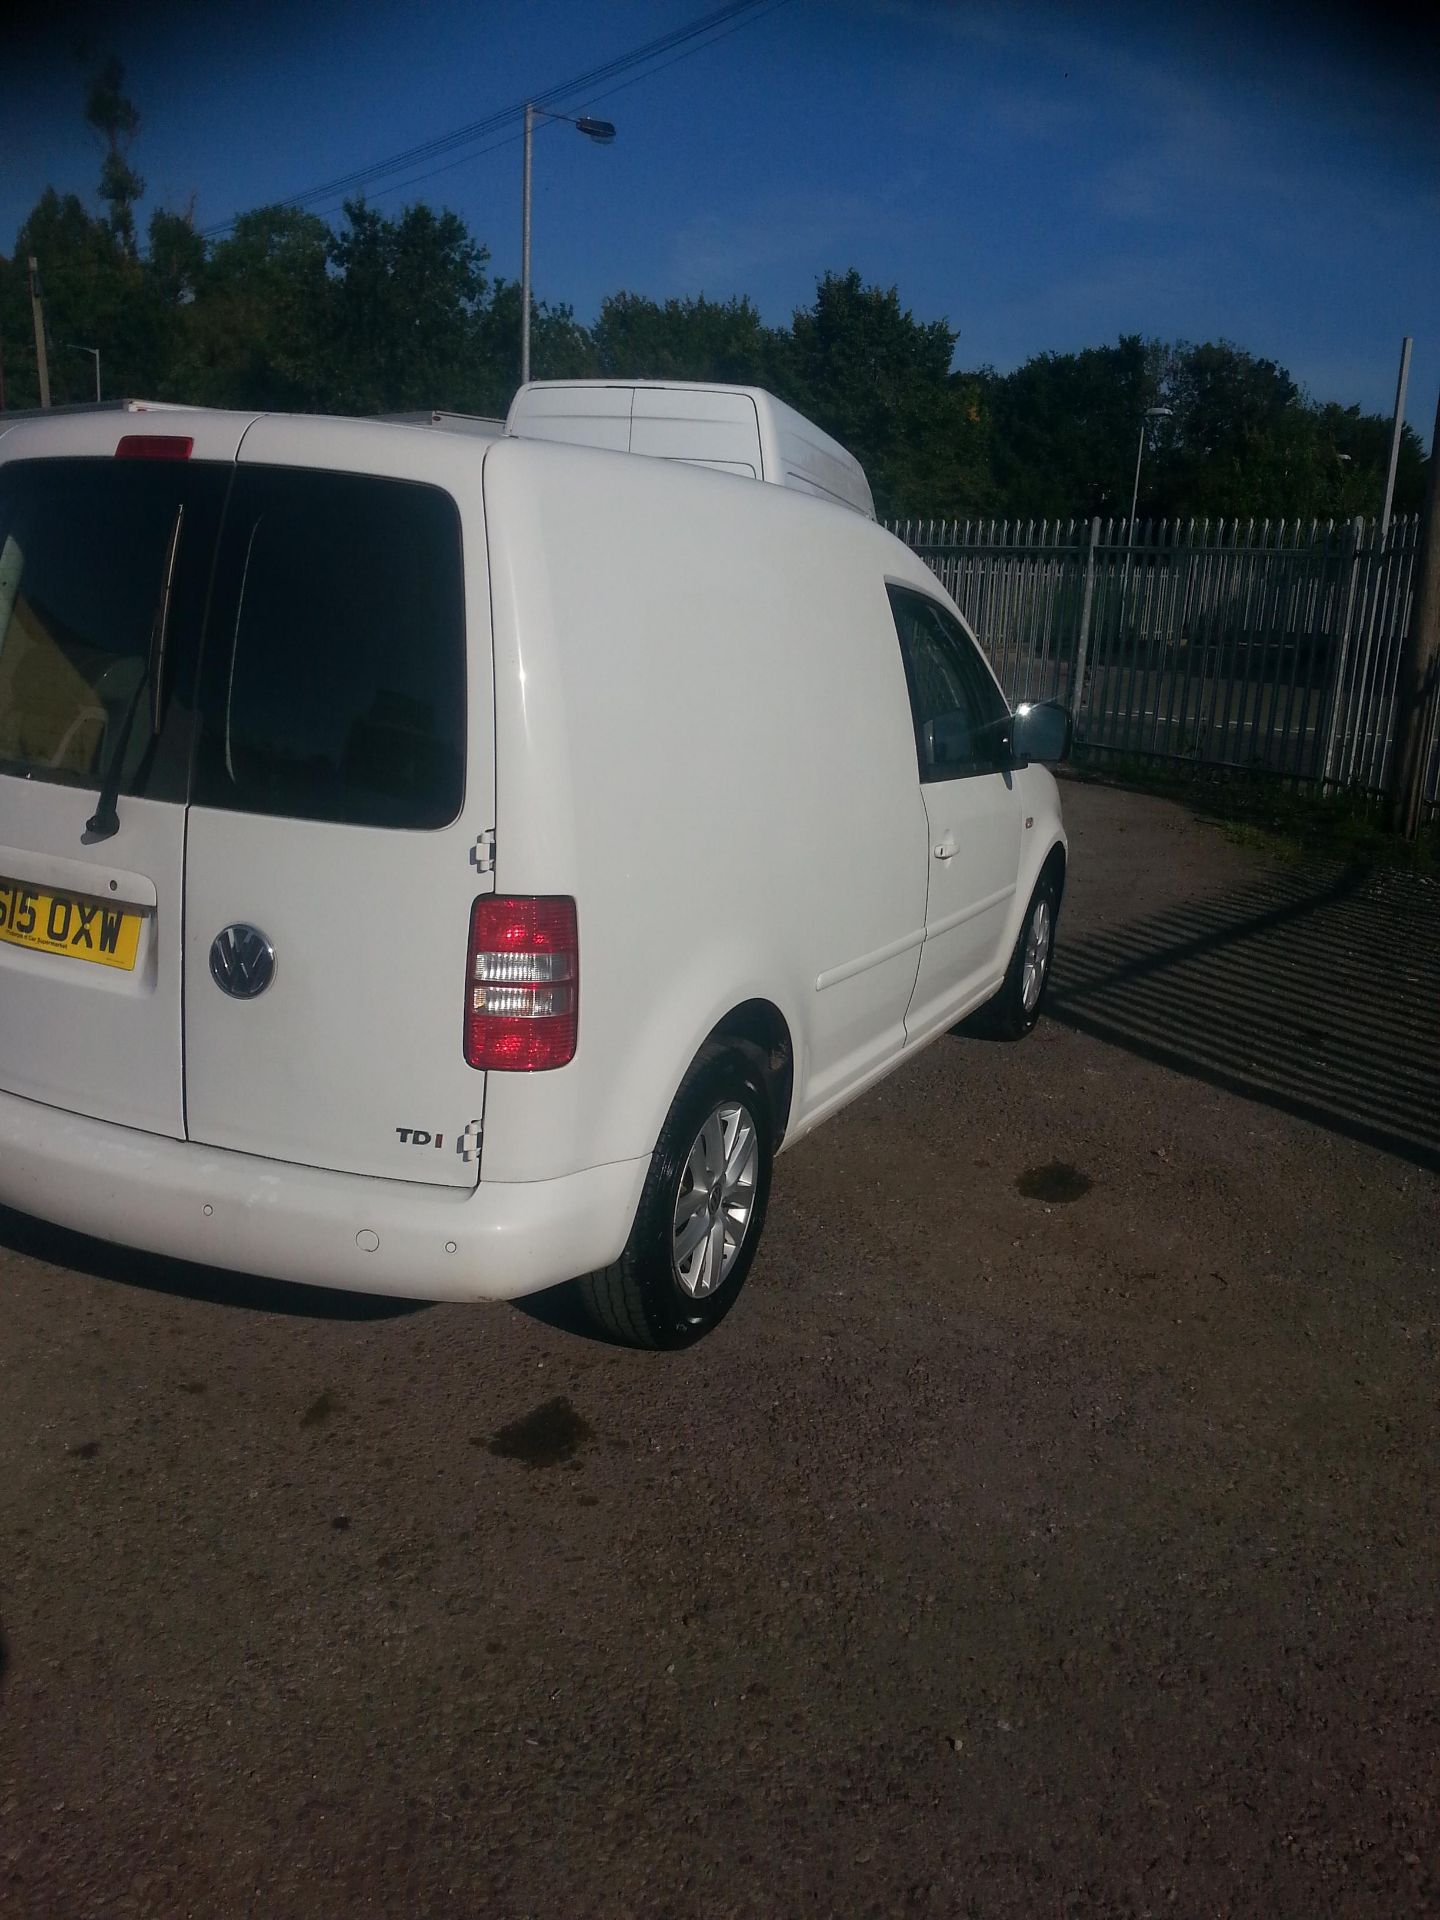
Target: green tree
x: 406, y: 300
x: 1243, y: 441
x: 560, y: 348
x: 17, y: 349
x: 1361, y: 446
x: 1065, y: 430
x: 258, y: 327
x: 638, y: 338
x: 1237, y: 437
x: 864, y: 368
x: 96, y: 295
x: 176, y: 257
x: 114, y: 117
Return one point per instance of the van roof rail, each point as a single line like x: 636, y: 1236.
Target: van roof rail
x: 484, y: 426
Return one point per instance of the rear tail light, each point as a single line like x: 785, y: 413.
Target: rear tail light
x: 155, y: 446
x: 522, y: 984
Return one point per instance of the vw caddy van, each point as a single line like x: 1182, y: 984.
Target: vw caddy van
x: 449, y: 866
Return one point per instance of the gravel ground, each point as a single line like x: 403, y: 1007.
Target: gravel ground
x: 1051, y: 1531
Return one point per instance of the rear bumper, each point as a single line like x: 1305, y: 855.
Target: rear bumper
x: 495, y: 1242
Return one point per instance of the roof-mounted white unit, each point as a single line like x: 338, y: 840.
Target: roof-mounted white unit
x: 740, y: 430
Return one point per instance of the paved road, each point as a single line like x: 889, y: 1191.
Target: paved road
x: 1052, y: 1531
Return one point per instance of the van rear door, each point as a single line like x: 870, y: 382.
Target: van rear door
x: 104, y: 566
x: 344, y: 780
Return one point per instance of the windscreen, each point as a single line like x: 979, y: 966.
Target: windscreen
x: 103, y: 566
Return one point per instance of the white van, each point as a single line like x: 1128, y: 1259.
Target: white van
x: 442, y: 866
x: 739, y: 430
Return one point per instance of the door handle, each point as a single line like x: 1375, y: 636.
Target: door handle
x: 946, y: 849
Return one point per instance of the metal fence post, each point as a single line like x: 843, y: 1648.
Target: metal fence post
x: 1418, y: 670
x: 1082, y: 644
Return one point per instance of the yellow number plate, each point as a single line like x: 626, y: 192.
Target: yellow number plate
x: 62, y: 923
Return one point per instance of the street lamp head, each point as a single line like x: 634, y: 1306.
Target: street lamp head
x: 601, y: 131
x: 1159, y: 413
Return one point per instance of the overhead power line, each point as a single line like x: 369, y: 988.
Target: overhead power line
x: 518, y: 132
x: 347, y: 183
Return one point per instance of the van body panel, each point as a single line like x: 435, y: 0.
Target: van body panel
x: 606, y: 587
x: 357, y: 1042
x: 352, y: 1058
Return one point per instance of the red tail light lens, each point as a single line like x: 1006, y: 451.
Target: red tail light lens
x: 155, y: 446
x: 522, y: 984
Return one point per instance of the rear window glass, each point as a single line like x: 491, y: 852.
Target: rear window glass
x: 334, y: 677
x: 103, y: 569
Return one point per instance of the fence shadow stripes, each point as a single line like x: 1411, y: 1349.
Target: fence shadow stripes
x: 1314, y: 991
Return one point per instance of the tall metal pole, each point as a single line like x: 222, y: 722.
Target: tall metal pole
x: 1417, y: 687
x: 1135, y: 491
x: 1395, y: 433
x: 94, y: 353
x: 37, y: 312
x: 1130, y: 526
x: 525, y: 251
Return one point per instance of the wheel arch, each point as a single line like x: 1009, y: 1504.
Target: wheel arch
x: 761, y: 1028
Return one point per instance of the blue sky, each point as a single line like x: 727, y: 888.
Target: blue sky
x: 1046, y: 176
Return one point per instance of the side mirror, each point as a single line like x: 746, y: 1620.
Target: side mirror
x: 1041, y: 732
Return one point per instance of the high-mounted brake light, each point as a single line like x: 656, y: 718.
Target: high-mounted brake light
x: 155, y: 446
x: 522, y: 983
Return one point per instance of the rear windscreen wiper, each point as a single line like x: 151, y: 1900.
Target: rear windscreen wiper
x: 105, y: 821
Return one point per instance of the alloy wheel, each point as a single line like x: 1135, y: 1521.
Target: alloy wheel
x: 716, y: 1200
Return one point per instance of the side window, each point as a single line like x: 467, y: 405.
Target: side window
x: 961, y: 722
x: 334, y: 676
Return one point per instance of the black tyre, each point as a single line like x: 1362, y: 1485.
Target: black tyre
x: 1016, y: 1008
x: 701, y: 1211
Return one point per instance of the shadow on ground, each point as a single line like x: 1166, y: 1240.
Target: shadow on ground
x: 560, y: 1309
x: 58, y: 1247
x: 1315, y: 990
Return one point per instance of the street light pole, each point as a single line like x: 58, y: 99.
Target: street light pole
x: 525, y: 250
x: 94, y: 353
x: 602, y: 133
x: 1395, y: 435
x: 1150, y: 413
x: 37, y: 314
